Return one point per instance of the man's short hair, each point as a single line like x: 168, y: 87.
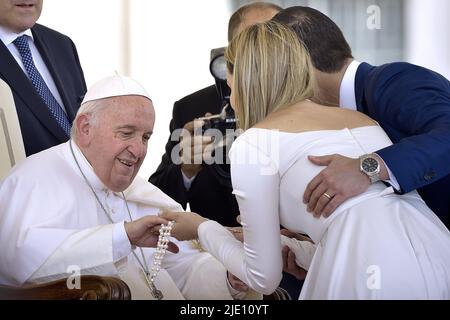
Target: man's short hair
x: 237, y: 17
x: 321, y: 36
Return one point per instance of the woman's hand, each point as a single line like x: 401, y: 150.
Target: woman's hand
x: 186, y: 224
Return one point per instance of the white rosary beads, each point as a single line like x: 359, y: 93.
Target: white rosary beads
x: 163, y: 241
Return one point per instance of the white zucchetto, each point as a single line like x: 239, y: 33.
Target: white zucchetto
x: 115, y: 86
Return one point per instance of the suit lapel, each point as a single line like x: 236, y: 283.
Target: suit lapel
x: 25, y: 91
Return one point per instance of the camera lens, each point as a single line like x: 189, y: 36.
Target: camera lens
x: 219, y: 68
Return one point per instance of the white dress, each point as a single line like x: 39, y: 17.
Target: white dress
x: 378, y: 245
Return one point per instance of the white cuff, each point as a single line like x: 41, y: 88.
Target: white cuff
x: 121, y: 243
x: 392, y: 179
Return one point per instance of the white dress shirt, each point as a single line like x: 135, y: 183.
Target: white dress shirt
x: 347, y: 99
x: 347, y: 96
x: 7, y: 37
x: 187, y: 181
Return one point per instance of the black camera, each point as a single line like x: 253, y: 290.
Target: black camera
x: 221, y: 126
x: 223, y: 121
x: 218, y: 69
x: 226, y: 118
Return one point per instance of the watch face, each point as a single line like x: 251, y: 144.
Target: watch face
x: 370, y: 165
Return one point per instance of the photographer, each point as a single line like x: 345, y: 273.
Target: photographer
x: 187, y: 179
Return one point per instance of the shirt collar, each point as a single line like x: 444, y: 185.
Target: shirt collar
x: 7, y: 36
x: 347, y: 97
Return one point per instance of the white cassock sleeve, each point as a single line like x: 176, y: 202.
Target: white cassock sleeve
x: 35, y: 224
x: 198, y: 274
x: 77, y: 252
x: 257, y: 262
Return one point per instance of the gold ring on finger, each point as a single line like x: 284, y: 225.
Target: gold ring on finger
x: 327, y: 195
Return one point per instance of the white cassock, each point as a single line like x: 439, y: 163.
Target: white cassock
x: 50, y: 220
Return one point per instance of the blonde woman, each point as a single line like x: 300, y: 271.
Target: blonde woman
x: 378, y: 245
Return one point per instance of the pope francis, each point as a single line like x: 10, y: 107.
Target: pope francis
x: 81, y: 204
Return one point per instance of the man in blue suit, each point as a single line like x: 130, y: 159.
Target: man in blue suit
x: 43, y: 70
x: 411, y: 103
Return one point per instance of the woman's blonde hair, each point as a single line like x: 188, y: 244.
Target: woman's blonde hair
x: 271, y: 70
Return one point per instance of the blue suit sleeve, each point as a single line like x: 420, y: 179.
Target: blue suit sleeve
x: 413, y: 105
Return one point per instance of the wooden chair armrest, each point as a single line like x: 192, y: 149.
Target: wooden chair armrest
x: 92, y: 288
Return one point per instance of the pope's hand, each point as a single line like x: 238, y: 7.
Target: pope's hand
x: 186, y: 224
x: 140, y: 233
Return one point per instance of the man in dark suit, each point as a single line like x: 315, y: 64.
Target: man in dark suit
x: 43, y: 70
x: 411, y: 103
x: 196, y: 183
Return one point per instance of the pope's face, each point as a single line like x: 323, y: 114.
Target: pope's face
x: 19, y: 15
x: 116, y: 143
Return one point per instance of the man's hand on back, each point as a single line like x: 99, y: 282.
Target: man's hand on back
x: 339, y: 181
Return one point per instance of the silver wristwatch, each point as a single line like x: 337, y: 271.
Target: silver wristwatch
x: 369, y: 165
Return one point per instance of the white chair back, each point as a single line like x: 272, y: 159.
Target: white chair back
x: 11, y: 144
